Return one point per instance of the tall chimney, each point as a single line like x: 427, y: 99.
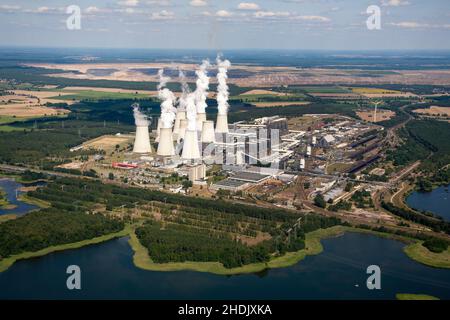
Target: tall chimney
x: 191, y: 150
x: 165, y: 146
x: 222, y: 123
x: 142, y: 140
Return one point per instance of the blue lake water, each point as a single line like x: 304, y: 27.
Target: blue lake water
x: 437, y: 201
x: 107, y: 272
x: 10, y: 186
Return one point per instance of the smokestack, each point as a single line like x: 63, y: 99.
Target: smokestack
x: 208, y: 132
x: 165, y: 146
x: 182, y: 131
x: 181, y: 115
x: 142, y: 139
x: 191, y: 150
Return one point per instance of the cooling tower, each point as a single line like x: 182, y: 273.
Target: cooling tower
x: 142, y: 140
x: 182, y: 130
x: 190, y: 146
x: 222, y: 123
x: 165, y: 146
x: 208, y: 132
x: 200, y: 118
x: 181, y: 115
x: 158, y: 130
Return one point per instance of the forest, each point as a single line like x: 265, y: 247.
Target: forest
x: 191, y: 223
x: 49, y: 227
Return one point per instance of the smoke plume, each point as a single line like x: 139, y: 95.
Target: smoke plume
x: 185, y: 90
x: 202, y: 86
x: 191, y: 112
x: 222, y: 87
x: 140, y: 119
x: 168, y: 99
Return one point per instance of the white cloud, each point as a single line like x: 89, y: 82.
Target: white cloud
x: 198, y: 3
x: 418, y: 25
x: 8, y: 7
x: 394, y: 3
x: 43, y: 9
x: 223, y: 14
x: 159, y: 2
x: 129, y: 3
x: 92, y: 9
x: 312, y: 18
x: 162, y: 15
x: 248, y: 6
x: 265, y: 14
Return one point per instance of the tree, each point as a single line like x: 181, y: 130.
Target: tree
x: 320, y: 201
x: 187, y: 184
x: 111, y: 176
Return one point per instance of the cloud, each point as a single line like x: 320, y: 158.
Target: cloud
x: 159, y: 2
x: 8, y: 7
x: 92, y: 10
x: 248, y: 6
x: 129, y: 3
x: 223, y: 14
x: 312, y: 18
x: 418, y: 25
x: 269, y: 14
x: 162, y: 15
x: 198, y: 3
x: 394, y: 3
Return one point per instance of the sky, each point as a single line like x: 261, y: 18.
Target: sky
x: 227, y: 24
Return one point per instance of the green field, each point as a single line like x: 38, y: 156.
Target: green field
x: 100, y: 95
x: 410, y: 296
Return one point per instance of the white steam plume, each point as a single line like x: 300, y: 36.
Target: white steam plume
x: 163, y: 80
x: 168, y: 99
x: 201, y: 91
x: 222, y: 87
x: 140, y: 119
x: 191, y: 112
x: 185, y: 90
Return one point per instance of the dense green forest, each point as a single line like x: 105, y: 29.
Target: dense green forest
x: 180, y: 243
x: 185, y: 217
x: 49, y: 227
x: 49, y: 144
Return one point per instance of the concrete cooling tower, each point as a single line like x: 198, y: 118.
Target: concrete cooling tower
x: 222, y: 123
x: 191, y: 150
x: 181, y: 115
x: 201, y: 117
x: 158, y: 130
x: 208, y: 132
x: 165, y: 146
x: 182, y: 130
x: 142, y: 140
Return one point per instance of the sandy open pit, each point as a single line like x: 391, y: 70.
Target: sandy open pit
x: 382, y: 115
x: 107, y: 142
x: 435, y: 110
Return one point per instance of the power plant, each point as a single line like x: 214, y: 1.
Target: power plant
x: 142, y: 140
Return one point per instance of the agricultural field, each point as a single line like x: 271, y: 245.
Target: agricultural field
x: 434, y: 111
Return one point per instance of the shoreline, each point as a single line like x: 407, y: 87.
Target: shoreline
x: 8, y: 262
x: 313, y: 246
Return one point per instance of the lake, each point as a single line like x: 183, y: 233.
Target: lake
x: 107, y: 272
x: 10, y: 186
x: 436, y: 201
